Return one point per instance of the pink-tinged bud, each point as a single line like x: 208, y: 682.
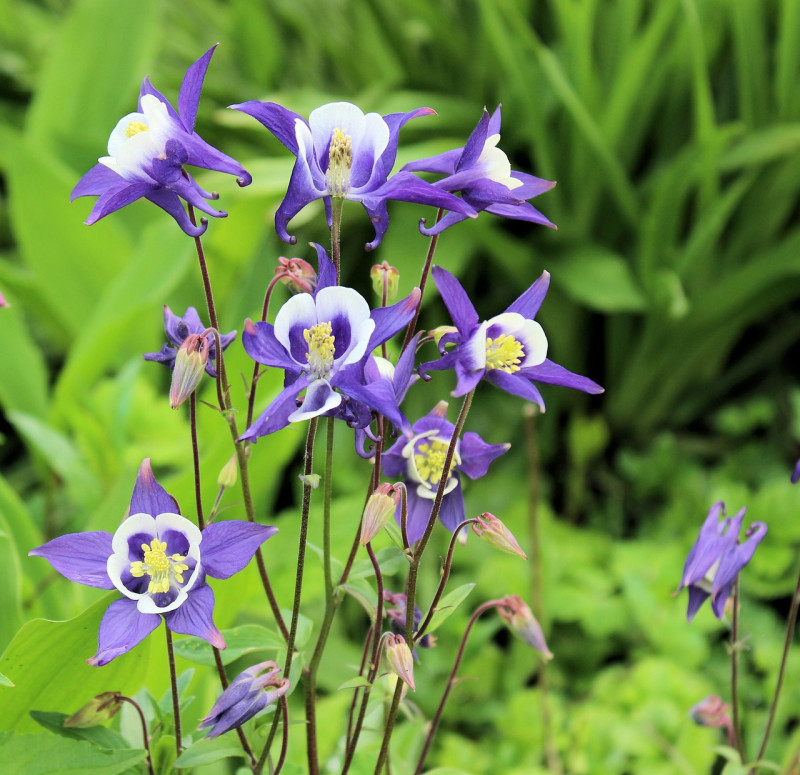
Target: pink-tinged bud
x: 399, y: 657
x: 493, y: 531
x: 711, y: 712
x: 379, y: 510
x: 296, y: 274
x: 190, y: 365
x: 385, y: 277
x: 98, y: 710
x: 229, y: 474
x: 516, y: 614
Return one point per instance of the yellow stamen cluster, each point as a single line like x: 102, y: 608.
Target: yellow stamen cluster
x: 320, y: 348
x: 429, y: 460
x: 134, y: 128
x: 340, y: 162
x: 160, y: 567
x: 504, y: 353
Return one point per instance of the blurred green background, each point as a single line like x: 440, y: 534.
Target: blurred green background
x: 673, y: 130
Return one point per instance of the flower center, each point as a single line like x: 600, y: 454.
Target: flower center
x: 429, y: 460
x: 320, y: 348
x: 134, y: 128
x: 161, y: 568
x: 340, y: 162
x: 504, y: 353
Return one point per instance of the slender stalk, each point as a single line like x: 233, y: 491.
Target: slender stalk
x: 387, y: 733
x: 173, y: 680
x: 285, y: 735
x: 145, y: 736
x: 737, y: 730
x: 330, y: 609
x: 337, y: 203
x: 364, y: 656
x: 251, y: 396
x: 412, y: 326
x: 450, y: 683
x: 198, y: 497
x: 790, y: 625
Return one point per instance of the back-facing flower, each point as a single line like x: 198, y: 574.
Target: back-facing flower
x: 482, y: 174
x: 159, y: 561
x: 147, y: 152
x: 347, y: 154
x: 508, y: 350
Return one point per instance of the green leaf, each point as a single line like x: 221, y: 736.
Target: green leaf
x: 601, y: 280
x: 355, y: 683
x: 10, y: 576
x: 207, y: 751
x: 362, y: 591
x: 389, y: 559
x: 5, y: 681
x: 97, y: 735
x: 241, y: 640
x: 47, y: 662
x: 25, y: 386
x: 448, y: 604
x: 44, y: 754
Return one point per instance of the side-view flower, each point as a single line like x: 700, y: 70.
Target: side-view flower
x: 147, y: 151
x: 509, y: 350
x: 159, y: 561
x: 343, y: 153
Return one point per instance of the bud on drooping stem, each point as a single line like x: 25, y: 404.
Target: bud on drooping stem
x: 296, y: 274
x: 399, y: 657
x: 379, y: 511
x: 494, y: 532
x: 98, y: 710
x: 521, y: 620
x: 190, y: 365
x: 385, y: 280
x: 229, y: 473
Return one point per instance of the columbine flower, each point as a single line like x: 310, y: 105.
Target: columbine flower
x: 717, y: 557
x: 509, y: 350
x: 343, y: 153
x: 159, y: 561
x: 178, y: 329
x: 296, y: 274
x: 420, y: 459
x: 481, y: 172
x: 397, y: 618
x: 322, y: 341
x: 248, y: 694
x: 520, y: 619
x: 147, y: 151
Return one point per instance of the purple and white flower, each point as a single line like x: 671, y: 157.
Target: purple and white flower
x: 482, y: 174
x: 717, y: 557
x: 508, y: 350
x: 343, y: 153
x: 159, y: 561
x: 147, y: 151
x: 419, y: 461
x: 323, y: 341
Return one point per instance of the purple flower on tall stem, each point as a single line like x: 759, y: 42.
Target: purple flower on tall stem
x: 178, y: 329
x: 717, y: 557
x: 323, y: 342
x: 346, y: 154
x: 159, y: 561
x: 482, y: 174
x: 419, y: 461
x: 509, y: 350
x: 147, y: 152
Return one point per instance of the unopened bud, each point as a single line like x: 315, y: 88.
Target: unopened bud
x: 438, y: 333
x: 190, y: 365
x: 98, y: 710
x: 296, y: 274
x: 711, y: 712
x: 493, y: 531
x: 521, y: 620
x: 379, y: 510
x: 229, y: 474
x: 385, y: 278
x: 399, y: 657
x: 312, y: 480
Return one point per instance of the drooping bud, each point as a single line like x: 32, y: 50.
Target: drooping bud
x: 711, y: 712
x: 520, y: 619
x: 296, y: 274
x: 385, y: 278
x: 440, y: 331
x: 379, y: 510
x: 229, y: 474
x: 399, y: 657
x: 98, y: 710
x: 493, y: 531
x: 190, y: 365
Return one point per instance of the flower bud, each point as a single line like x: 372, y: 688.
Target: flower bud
x: 711, y: 712
x: 400, y: 660
x: 190, y: 365
x: 296, y: 274
x: 440, y: 331
x: 385, y: 277
x: 379, y: 510
x: 229, y: 474
x: 521, y: 620
x: 493, y: 531
x: 98, y: 710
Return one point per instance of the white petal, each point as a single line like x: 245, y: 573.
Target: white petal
x: 528, y: 332
x: 298, y: 310
x: 146, y: 604
x: 337, y: 302
x: 320, y: 395
x: 135, y: 523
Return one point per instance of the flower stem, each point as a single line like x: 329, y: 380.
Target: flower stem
x: 284, y: 736
x: 450, y: 683
x: 790, y: 625
x: 145, y: 736
x: 337, y: 204
x: 251, y: 397
x: 737, y: 730
x: 198, y: 497
x: 173, y: 680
